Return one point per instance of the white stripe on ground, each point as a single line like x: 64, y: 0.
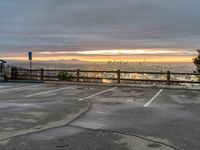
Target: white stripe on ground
x: 82, y: 99
x: 50, y: 91
x: 19, y: 88
x: 153, y: 98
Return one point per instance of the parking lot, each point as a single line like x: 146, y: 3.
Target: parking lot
x: 39, y: 116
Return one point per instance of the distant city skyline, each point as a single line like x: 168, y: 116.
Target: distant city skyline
x: 100, y: 30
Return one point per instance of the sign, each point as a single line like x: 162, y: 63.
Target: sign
x: 30, y: 55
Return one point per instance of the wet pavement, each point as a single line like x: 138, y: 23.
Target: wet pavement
x: 81, y: 117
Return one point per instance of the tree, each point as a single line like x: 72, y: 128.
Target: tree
x: 196, y: 61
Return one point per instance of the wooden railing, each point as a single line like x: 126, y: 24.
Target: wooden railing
x: 117, y: 76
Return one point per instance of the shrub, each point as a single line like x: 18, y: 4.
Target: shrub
x: 65, y: 76
x: 196, y: 61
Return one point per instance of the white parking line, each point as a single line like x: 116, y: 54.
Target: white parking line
x: 50, y: 91
x: 97, y: 94
x: 19, y: 88
x: 153, y: 98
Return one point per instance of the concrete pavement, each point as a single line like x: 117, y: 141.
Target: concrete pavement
x: 51, y: 116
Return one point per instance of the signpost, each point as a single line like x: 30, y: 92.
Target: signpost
x: 30, y: 59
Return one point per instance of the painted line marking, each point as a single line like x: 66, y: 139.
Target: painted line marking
x: 153, y: 98
x: 19, y: 88
x: 82, y: 99
x: 50, y: 91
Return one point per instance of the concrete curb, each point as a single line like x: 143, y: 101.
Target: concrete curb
x: 178, y: 87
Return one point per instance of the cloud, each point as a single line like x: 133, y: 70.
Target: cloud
x: 98, y: 24
x: 118, y: 52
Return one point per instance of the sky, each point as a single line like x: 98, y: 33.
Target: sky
x: 100, y: 30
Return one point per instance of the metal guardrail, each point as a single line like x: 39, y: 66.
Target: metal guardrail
x: 43, y: 74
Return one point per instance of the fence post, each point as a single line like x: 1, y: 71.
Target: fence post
x: 168, y: 77
x: 14, y: 73
x: 41, y: 74
x: 78, y: 74
x: 118, y: 76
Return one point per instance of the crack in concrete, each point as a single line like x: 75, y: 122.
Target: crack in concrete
x: 128, y: 134
x: 28, y: 133
x: 103, y: 130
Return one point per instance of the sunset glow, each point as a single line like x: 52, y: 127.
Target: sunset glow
x: 129, y: 55
x: 122, y: 52
x: 108, y: 58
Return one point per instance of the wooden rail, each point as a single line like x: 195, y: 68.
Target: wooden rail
x: 42, y: 74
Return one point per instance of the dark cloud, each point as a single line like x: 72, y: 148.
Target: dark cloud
x: 99, y: 24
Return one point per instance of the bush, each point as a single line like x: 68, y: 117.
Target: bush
x: 196, y: 61
x: 65, y: 76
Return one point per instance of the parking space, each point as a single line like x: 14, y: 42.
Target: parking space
x: 62, y: 116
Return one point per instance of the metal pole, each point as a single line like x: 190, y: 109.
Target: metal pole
x: 30, y: 59
x: 30, y: 69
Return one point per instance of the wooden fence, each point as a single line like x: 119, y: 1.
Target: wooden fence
x: 117, y: 76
